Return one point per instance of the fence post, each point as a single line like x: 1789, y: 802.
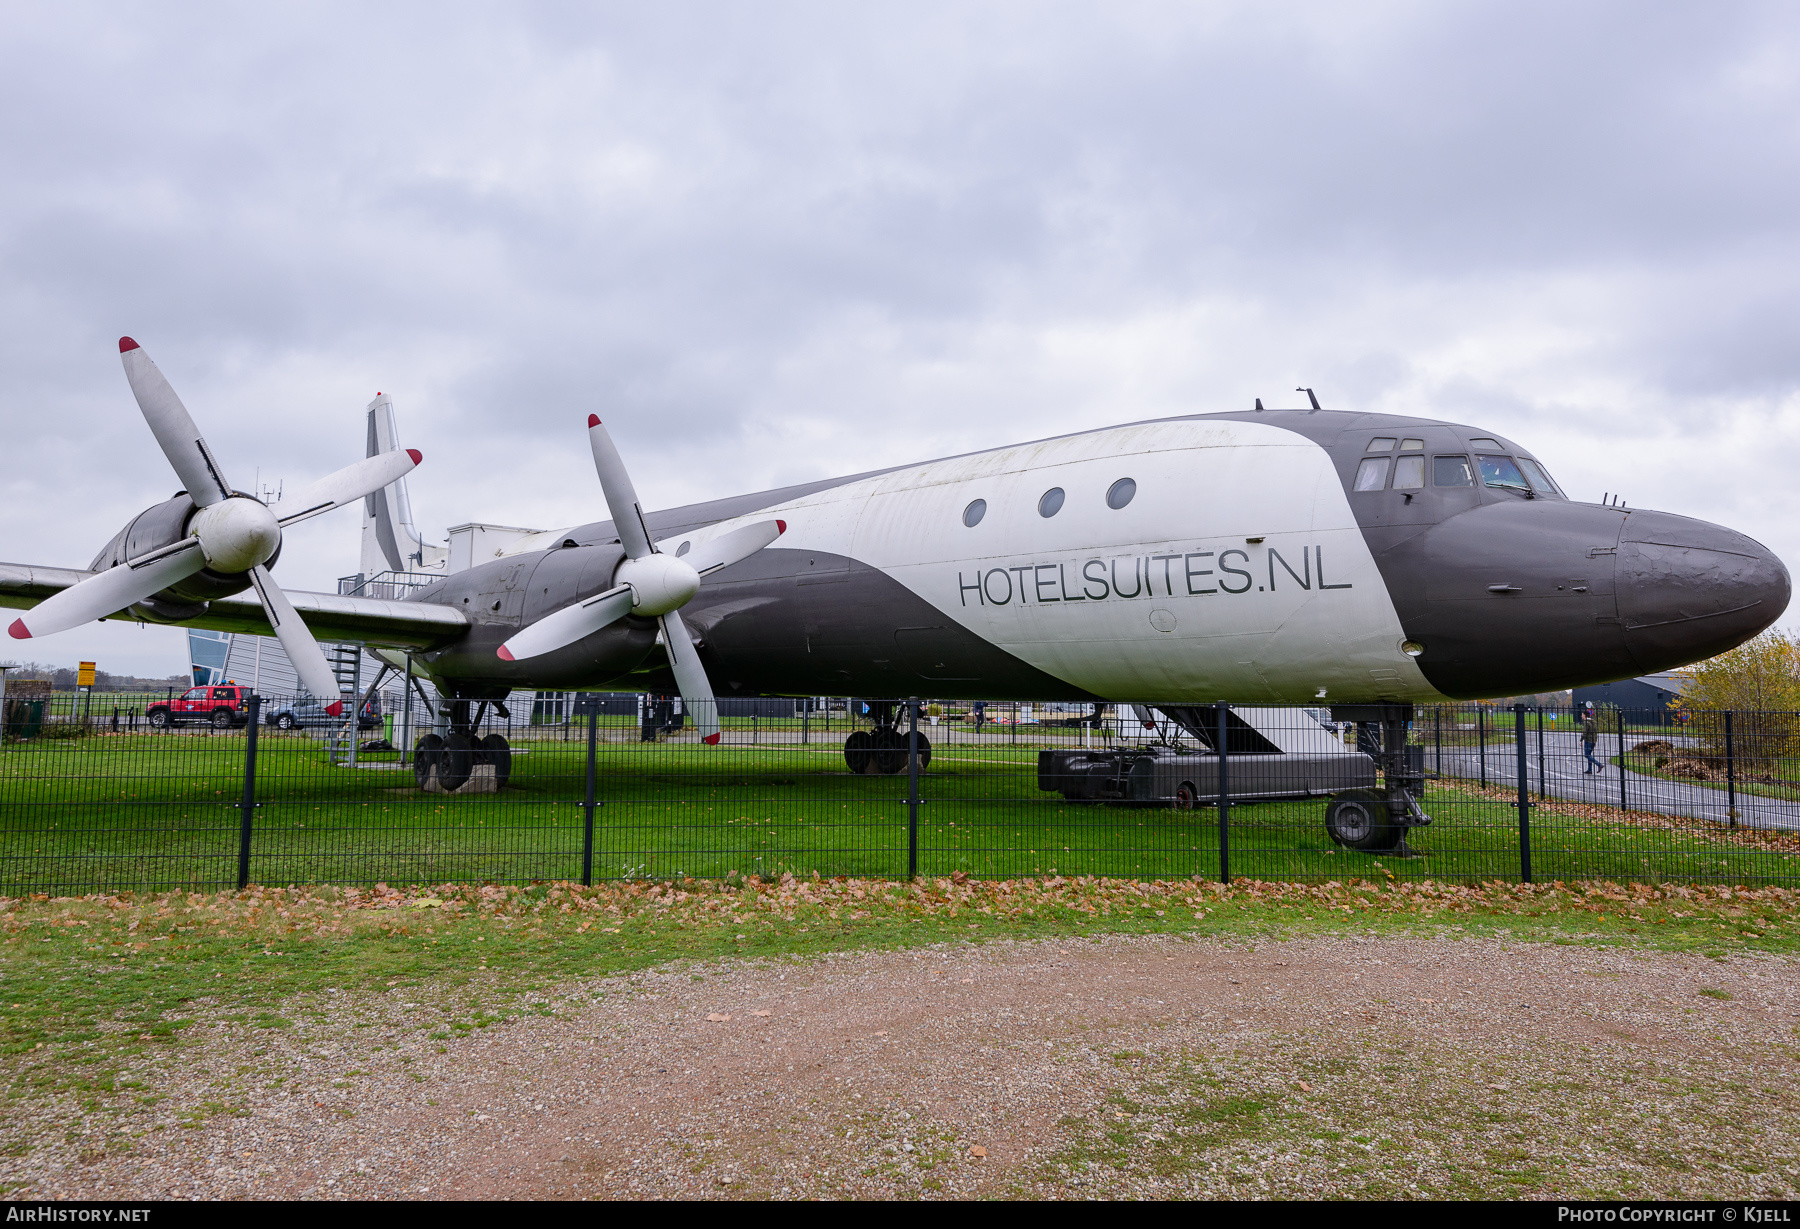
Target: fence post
x: 247, y: 806
x: 587, y: 826
x: 1730, y: 774
x: 1524, y: 794
x: 1222, y: 745
x: 1481, y: 742
x: 1438, y: 726
x: 1541, y: 782
x: 912, y: 788
x: 1624, y: 805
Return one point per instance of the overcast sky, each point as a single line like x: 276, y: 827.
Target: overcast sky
x: 773, y: 242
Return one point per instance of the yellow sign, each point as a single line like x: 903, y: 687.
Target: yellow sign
x: 84, y: 674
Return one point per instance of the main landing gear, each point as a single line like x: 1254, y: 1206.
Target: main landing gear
x: 451, y: 760
x: 1377, y: 820
x: 883, y: 749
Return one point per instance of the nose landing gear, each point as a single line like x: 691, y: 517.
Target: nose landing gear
x: 882, y: 751
x: 1377, y: 820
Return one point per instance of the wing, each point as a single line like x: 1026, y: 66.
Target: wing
x: 331, y: 616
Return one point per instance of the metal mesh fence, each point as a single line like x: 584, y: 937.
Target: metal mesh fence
x: 592, y: 788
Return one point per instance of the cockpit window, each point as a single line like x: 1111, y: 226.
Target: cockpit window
x: 1371, y: 475
x: 1485, y: 442
x: 1384, y: 443
x: 1451, y: 471
x: 1540, y: 481
x: 1502, y: 473
x: 1409, y: 473
x: 1411, y: 445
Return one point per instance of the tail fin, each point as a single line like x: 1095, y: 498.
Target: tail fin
x: 390, y: 542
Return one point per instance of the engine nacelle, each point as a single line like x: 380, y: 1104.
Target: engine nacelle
x: 164, y: 525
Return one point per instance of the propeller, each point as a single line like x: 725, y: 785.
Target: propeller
x: 651, y: 583
x: 232, y: 533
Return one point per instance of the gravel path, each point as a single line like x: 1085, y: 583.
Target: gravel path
x: 1155, y: 1066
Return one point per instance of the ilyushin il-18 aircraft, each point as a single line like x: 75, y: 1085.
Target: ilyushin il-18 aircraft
x: 1363, y: 561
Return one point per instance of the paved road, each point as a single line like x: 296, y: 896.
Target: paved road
x: 1562, y: 777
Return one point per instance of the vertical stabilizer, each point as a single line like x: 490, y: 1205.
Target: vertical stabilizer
x: 390, y: 541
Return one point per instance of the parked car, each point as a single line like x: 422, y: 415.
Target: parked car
x: 307, y: 712
x: 221, y: 706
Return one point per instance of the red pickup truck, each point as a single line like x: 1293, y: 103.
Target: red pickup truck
x: 221, y: 707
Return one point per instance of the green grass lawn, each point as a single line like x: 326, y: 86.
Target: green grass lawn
x: 154, y: 812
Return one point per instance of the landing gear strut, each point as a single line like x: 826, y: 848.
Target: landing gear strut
x: 1376, y: 820
x: 454, y: 755
x: 883, y: 749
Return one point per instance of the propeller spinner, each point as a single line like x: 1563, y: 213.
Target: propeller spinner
x: 232, y: 533
x: 649, y: 583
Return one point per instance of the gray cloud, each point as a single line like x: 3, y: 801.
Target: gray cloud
x: 775, y: 242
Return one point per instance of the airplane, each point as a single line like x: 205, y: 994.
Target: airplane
x: 1368, y: 562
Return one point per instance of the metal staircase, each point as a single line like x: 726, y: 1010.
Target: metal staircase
x: 346, y: 664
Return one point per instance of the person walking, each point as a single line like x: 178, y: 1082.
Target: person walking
x: 1590, y: 734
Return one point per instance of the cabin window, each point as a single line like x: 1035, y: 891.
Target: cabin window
x: 1485, y: 442
x: 1051, y: 503
x: 1411, y: 445
x: 1451, y: 471
x: 1540, y: 481
x: 974, y: 512
x: 1500, y: 472
x: 1119, y: 493
x: 1383, y: 443
x: 1409, y: 473
x: 1371, y: 475
x: 683, y: 549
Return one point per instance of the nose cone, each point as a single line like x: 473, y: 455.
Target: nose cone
x: 1689, y: 590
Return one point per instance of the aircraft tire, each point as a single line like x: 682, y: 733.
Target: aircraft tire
x: 456, y: 761
x: 427, y: 753
x: 1358, y: 819
x: 890, y: 752
x: 859, y: 751
x: 495, y: 751
x: 924, y: 750
x: 1187, y: 797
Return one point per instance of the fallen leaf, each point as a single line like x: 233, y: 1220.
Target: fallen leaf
x: 718, y: 1017
x: 978, y: 1151
x: 1301, y: 1084
x: 770, y: 1013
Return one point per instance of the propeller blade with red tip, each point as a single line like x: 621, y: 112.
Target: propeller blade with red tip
x: 728, y: 548
x: 297, y: 641
x: 621, y: 495
x: 173, y: 427
x: 566, y: 626
x: 690, y: 677
x: 110, y: 591
x: 348, y: 485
